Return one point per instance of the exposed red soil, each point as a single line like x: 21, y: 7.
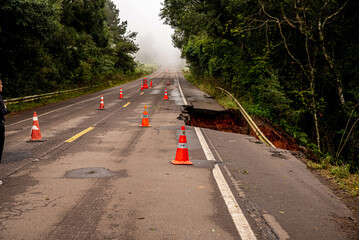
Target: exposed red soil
x: 276, y: 135
x: 233, y: 121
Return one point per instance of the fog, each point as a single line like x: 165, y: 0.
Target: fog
x: 153, y: 36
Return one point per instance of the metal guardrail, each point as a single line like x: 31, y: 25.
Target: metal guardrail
x: 249, y: 120
x: 34, y: 97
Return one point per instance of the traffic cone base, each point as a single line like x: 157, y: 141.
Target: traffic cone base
x: 146, y: 126
x: 175, y: 162
x: 38, y: 140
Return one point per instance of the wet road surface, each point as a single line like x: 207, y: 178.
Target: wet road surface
x: 116, y: 181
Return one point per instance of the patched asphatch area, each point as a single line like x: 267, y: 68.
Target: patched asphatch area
x: 233, y: 121
x: 94, y: 172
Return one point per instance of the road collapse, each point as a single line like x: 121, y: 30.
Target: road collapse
x: 232, y: 121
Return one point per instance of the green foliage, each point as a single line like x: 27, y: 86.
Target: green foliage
x: 284, y: 61
x: 52, y: 45
x: 339, y: 175
x: 86, y: 16
x: 341, y: 171
x: 113, y: 80
x: 314, y: 165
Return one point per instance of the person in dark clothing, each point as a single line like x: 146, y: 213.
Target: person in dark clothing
x: 3, y: 111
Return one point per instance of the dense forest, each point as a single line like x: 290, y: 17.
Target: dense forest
x: 295, y: 62
x: 48, y: 45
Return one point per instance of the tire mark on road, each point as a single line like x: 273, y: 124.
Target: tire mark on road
x: 81, y: 221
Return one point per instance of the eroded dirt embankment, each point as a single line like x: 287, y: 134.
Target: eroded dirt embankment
x: 233, y: 121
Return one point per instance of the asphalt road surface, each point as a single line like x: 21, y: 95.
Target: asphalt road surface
x: 99, y: 175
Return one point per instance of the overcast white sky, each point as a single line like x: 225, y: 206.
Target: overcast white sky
x: 154, y: 37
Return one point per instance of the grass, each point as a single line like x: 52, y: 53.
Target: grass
x: 115, y: 80
x: 339, y: 175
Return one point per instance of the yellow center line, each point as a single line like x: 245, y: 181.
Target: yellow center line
x: 142, y: 93
x: 127, y: 104
x: 79, y: 135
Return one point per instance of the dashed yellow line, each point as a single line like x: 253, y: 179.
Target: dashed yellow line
x: 87, y: 130
x: 126, y: 104
x: 142, y: 93
x: 79, y: 135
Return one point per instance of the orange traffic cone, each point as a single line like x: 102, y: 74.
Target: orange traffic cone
x: 35, y: 130
x: 121, y: 95
x: 165, y: 96
x: 168, y: 82
x: 182, y: 150
x: 102, y: 104
x: 145, y: 85
x: 145, y: 120
x: 151, y: 84
x: 141, y: 87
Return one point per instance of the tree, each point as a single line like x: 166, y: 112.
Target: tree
x: 26, y: 29
x: 50, y: 45
x: 86, y: 16
x: 293, y: 61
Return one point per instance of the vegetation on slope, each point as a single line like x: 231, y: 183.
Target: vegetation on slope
x: 293, y: 62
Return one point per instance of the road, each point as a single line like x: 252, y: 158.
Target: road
x: 116, y: 181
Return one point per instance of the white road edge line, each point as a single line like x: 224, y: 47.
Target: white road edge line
x: 242, y: 225
x: 244, y: 229
x: 179, y: 86
x: 204, y: 145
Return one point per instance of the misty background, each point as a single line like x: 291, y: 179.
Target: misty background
x: 153, y: 36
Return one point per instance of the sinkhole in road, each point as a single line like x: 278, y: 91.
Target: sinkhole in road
x: 232, y: 121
